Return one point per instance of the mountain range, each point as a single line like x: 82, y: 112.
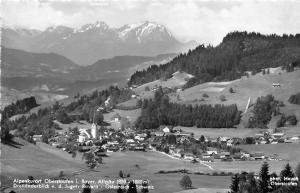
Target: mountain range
x: 92, y: 42
x: 48, y: 74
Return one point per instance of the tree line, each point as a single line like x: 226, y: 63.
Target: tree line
x: 239, y: 52
x: 160, y: 111
x: 263, y: 110
x: 265, y: 183
x: 19, y: 107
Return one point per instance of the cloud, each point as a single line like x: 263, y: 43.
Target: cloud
x: 200, y: 20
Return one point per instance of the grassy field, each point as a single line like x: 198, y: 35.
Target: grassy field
x: 290, y: 152
x: 140, y: 165
x: 218, y: 132
x: 37, y: 159
x: 21, y: 159
x: 244, y: 88
x: 236, y: 132
x: 149, y: 163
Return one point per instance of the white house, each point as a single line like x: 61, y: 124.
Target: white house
x: 275, y: 85
x: 82, y: 138
x: 37, y: 137
x: 211, y: 152
x: 166, y: 130
x: 277, y: 135
x: 188, y: 156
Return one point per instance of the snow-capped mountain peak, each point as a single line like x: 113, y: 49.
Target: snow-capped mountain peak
x: 100, y: 25
x: 140, y: 31
x: 97, y: 40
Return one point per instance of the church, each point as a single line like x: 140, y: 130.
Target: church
x: 88, y: 134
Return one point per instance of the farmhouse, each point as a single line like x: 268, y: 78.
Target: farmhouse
x: 277, y: 135
x: 116, y: 118
x: 212, y: 151
x: 275, y: 85
x: 37, y: 137
x: 258, y: 156
x: 224, y: 155
x: 189, y: 156
x: 166, y: 130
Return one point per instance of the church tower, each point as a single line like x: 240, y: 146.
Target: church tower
x: 94, y: 131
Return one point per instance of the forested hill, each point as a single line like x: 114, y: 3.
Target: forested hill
x: 237, y: 53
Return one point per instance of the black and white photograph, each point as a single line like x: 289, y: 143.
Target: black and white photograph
x: 150, y: 96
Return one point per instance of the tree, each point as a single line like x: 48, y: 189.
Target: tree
x: 202, y: 139
x: 98, y: 118
x: 5, y: 135
x: 291, y: 119
x: 120, y: 190
x: 185, y: 182
x: 121, y: 175
x: 234, y: 187
x: 90, y: 160
x: 147, y: 88
x: 62, y: 117
x: 145, y: 187
x: 297, y: 170
x: 250, y: 140
x: 87, y: 188
x: 295, y: 99
x: 287, y: 172
x: 132, y: 188
x: 264, y: 178
x: 252, y: 184
x: 231, y: 90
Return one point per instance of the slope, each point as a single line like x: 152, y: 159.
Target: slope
x: 253, y: 87
x: 21, y: 63
x: 23, y: 159
x: 238, y: 53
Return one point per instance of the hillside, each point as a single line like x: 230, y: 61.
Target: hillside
x: 243, y: 89
x: 21, y: 158
x: 21, y: 63
x: 51, y: 77
x: 238, y: 53
x: 119, y: 66
x: 236, y: 92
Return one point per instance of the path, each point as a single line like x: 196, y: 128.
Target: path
x: 200, y: 162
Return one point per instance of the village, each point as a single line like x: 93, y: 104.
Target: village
x: 171, y: 141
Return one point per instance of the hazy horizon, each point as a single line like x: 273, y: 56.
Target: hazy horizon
x: 200, y: 20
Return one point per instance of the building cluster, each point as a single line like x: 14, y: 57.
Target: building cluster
x: 172, y: 141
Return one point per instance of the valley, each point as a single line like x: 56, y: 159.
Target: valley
x: 210, y: 114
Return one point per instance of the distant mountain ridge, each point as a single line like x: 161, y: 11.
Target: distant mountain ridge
x: 52, y: 73
x: 21, y: 63
x: 92, y: 42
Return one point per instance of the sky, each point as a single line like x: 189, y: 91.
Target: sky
x: 206, y: 21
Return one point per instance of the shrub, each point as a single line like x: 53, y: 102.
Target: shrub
x: 205, y: 95
x: 295, y: 99
x: 231, y: 90
x: 222, y: 98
